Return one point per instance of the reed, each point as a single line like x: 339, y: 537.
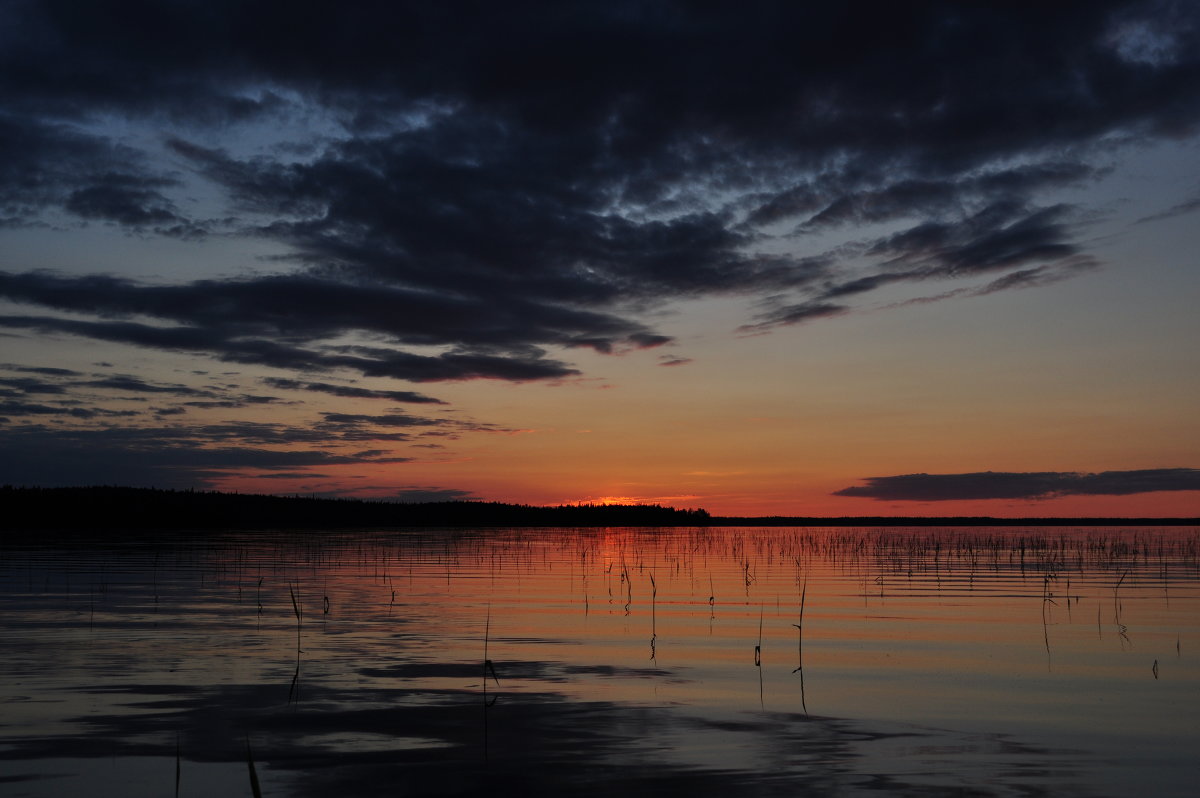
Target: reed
x: 1117, y: 606
x: 299, y: 619
x: 800, y: 630
x: 487, y: 663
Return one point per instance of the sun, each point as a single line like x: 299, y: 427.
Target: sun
x: 610, y: 500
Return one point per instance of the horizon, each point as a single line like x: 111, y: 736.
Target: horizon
x: 889, y: 519
x: 866, y: 260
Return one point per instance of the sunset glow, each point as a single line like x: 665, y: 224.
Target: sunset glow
x: 772, y: 260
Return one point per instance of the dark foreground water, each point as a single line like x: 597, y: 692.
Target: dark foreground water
x: 1008, y: 662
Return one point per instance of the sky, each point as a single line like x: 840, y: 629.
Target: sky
x: 824, y: 259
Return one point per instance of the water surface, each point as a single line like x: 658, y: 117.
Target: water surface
x: 745, y: 661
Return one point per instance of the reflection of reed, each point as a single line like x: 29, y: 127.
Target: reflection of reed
x: 1047, y: 599
x: 758, y: 648
x: 653, y: 616
x: 1117, y: 599
x: 487, y: 666
x: 712, y: 604
x: 758, y: 657
x: 628, y: 584
x: 800, y: 644
x: 487, y: 663
x: 255, y: 790
x: 839, y: 563
x: 294, y: 691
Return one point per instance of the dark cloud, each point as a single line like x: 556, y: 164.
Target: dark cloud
x: 1000, y: 236
x: 123, y: 199
x: 126, y: 383
x: 258, y: 399
x: 1179, y: 209
x: 162, y: 456
x: 794, y: 314
x: 389, y: 420
x: 351, y: 392
x: 911, y: 197
x: 496, y: 179
x: 361, y: 426
x: 1035, y: 485
x: 415, y: 495
x: 27, y: 385
x: 20, y: 408
x: 530, y: 364
x: 49, y: 371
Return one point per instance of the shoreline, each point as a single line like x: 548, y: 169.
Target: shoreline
x: 110, y: 507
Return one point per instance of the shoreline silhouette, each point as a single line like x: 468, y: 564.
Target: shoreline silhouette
x: 112, y: 507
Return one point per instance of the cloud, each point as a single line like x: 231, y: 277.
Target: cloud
x: 1179, y: 209
x: 51, y: 371
x: 388, y: 420
x: 129, y: 384
x: 351, y: 392
x: 18, y: 408
x: 1020, y: 485
x: 179, y: 456
x: 372, y: 361
x: 28, y: 385
x: 505, y: 181
x: 414, y: 494
x: 794, y: 314
x: 124, y: 199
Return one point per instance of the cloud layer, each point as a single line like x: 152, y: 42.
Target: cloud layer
x: 1032, y: 485
x: 493, y: 180
x: 464, y: 191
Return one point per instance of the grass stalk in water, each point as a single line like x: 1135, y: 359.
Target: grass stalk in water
x: 487, y: 663
x: 800, y: 628
x: 299, y: 615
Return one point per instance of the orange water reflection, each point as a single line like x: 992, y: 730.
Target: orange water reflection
x: 1082, y: 640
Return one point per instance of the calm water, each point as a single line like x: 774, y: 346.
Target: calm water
x: 1006, y: 662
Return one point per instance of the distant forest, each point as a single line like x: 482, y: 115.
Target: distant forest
x: 150, y: 508
x: 113, y: 508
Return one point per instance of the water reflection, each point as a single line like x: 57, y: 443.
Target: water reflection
x: 1005, y: 662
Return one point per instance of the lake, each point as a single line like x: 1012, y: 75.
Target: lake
x: 677, y: 661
